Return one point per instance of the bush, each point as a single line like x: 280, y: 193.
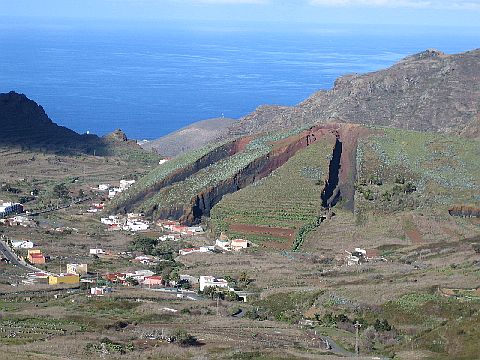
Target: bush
x: 183, y: 338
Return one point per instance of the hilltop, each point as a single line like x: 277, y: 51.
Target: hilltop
x: 190, y: 137
x: 428, y: 91
x: 25, y: 124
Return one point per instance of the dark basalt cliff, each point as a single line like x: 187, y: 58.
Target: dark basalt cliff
x: 201, y: 204
x: 429, y: 91
x: 25, y: 124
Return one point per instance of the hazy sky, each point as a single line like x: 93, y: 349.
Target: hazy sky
x: 444, y: 13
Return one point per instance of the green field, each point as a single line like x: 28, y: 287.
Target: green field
x: 288, y: 198
x: 442, y: 170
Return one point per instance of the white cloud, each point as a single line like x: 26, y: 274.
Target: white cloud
x: 419, y: 4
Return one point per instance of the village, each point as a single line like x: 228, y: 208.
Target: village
x: 29, y: 256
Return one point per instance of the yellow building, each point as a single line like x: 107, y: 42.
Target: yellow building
x: 63, y: 279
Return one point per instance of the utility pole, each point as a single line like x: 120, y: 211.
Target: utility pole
x: 357, y: 327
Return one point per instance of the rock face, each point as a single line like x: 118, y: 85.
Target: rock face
x: 429, y: 91
x: 190, y: 137
x: 24, y: 123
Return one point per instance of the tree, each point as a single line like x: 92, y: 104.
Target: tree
x: 184, y: 339
x: 131, y: 281
x: 61, y: 191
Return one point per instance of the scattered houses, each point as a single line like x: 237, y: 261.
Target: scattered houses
x: 132, y: 222
x: 18, y: 221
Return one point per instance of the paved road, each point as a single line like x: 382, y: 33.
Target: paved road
x: 14, y: 260
x: 191, y: 295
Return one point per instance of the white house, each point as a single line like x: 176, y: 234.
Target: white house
x: 22, y: 244
x: 211, y: 281
x: 8, y: 208
x: 96, y: 252
x: 125, y: 184
x: 113, y: 192
x: 239, y: 244
x: 77, y: 269
x: 223, y: 244
x: 135, y: 226
x: 113, y: 220
x: 169, y: 237
x: 163, y: 161
x: 103, y: 187
x: 139, y: 275
x: 201, y: 249
x: 100, y: 291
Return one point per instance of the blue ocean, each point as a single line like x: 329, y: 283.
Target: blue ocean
x: 152, y: 80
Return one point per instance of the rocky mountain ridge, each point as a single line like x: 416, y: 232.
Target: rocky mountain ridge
x: 429, y: 91
x: 24, y: 123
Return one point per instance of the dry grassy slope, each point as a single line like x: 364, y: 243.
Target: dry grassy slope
x: 429, y: 91
x: 190, y: 137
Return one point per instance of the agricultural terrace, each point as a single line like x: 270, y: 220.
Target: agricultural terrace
x: 286, y: 199
x: 182, y: 193
x: 401, y: 169
x: 155, y: 178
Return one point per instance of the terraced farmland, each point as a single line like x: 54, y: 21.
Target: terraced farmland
x: 417, y: 170
x: 276, y: 207
x: 226, y: 175
x: 175, y: 170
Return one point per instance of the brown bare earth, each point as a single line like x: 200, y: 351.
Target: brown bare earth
x: 288, y: 234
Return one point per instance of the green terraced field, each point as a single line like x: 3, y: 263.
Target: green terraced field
x: 162, y: 172
x: 288, y: 198
x: 181, y: 193
x: 445, y: 170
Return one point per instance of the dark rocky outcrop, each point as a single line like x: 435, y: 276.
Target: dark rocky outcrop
x: 24, y: 123
x: 464, y: 211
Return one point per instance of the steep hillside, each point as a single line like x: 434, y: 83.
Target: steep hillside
x: 190, y: 137
x: 429, y: 91
x: 189, y: 186
x: 24, y: 123
x: 401, y: 170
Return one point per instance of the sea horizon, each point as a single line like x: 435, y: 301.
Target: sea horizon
x: 153, y: 80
